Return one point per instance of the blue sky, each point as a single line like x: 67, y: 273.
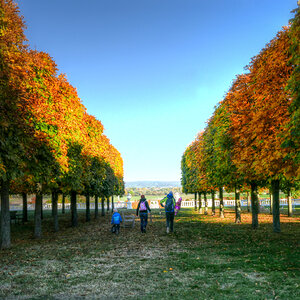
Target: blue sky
x: 152, y: 70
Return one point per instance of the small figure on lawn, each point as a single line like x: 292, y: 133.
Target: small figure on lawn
x: 116, y: 220
x: 169, y: 204
x: 178, y: 206
x: 142, y: 209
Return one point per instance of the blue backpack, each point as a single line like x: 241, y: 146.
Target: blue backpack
x: 116, y: 218
x: 169, y: 207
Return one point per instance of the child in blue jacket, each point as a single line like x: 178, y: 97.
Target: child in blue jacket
x: 116, y: 220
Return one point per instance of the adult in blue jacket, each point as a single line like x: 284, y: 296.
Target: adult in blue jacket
x: 169, y: 204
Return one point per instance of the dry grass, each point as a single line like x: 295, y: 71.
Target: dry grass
x: 206, y: 258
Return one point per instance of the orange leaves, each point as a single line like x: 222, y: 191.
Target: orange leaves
x: 53, y: 101
x: 259, y: 110
x: 244, y: 138
x: 45, y: 102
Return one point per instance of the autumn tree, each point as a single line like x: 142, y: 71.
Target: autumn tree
x: 15, y: 134
x: 259, y: 105
x: 252, y: 136
x: 189, y: 171
x: 48, y: 141
x: 292, y: 137
x: 221, y: 171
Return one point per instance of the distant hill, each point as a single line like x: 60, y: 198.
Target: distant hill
x: 151, y: 184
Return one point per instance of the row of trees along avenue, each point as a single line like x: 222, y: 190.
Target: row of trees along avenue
x: 48, y: 142
x: 252, y: 139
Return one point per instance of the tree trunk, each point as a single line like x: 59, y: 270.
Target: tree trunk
x: 107, y: 204
x: 42, y: 212
x: 276, y: 202
x: 112, y: 203
x: 38, y: 215
x: 254, y: 205
x: 55, y: 210
x: 199, y: 203
x: 195, y: 201
x: 96, y: 207
x: 63, y: 203
x: 271, y: 201
x: 221, y: 202
x: 74, y: 217
x: 5, y: 216
x: 237, y: 206
x: 87, y: 210
x: 213, y: 206
x: 25, y: 213
x: 248, y: 201
x: 290, y: 207
x: 205, y: 204
x: 102, y: 207
x: 52, y: 206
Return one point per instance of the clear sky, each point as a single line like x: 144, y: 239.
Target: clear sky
x: 152, y: 70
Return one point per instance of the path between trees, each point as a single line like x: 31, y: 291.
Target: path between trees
x: 206, y: 257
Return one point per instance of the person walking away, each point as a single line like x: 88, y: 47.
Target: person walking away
x: 116, y: 220
x: 169, y: 204
x: 142, y: 209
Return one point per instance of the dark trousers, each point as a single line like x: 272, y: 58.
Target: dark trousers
x: 144, y: 220
x: 115, y: 228
x: 170, y: 220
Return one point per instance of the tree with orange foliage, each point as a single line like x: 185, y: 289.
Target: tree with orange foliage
x: 292, y: 139
x: 218, y: 144
x: 251, y: 136
x: 15, y: 135
x: 48, y: 139
x: 188, y: 170
x: 238, y: 102
x: 59, y: 118
x: 259, y: 106
x: 203, y: 183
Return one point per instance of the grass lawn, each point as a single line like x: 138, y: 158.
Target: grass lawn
x: 206, y: 258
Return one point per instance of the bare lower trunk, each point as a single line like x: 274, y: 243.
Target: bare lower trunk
x: 112, y: 203
x: 213, y: 206
x: 102, y: 207
x: 107, y: 204
x: 221, y: 202
x: 237, y: 206
x: 42, y: 212
x: 195, y: 201
x: 290, y: 207
x: 5, y: 216
x: 248, y: 201
x: 276, y: 201
x: 199, y: 203
x: 63, y: 203
x: 38, y: 215
x: 254, y: 205
x: 96, y: 207
x: 271, y: 202
x: 55, y: 210
x: 87, y: 211
x: 74, y: 217
x: 25, y: 213
x: 205, y: 204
